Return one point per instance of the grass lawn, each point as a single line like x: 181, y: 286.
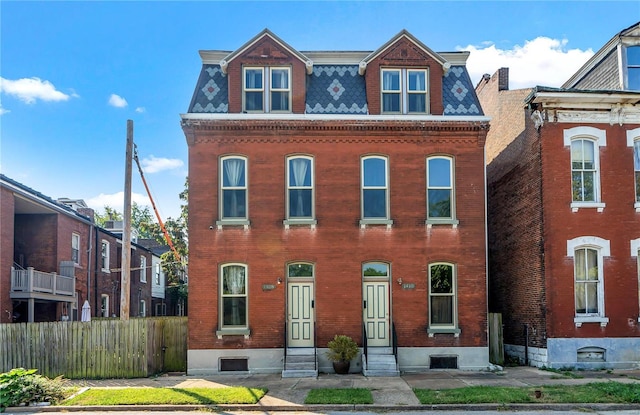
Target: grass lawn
x: 601, y: 392
x: 339, y: 396
x: 167, y: 396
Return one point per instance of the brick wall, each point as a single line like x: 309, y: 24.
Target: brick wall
x: 6, y: 252
x: 338, y: 246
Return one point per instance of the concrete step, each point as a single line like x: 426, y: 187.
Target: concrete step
x: 300, y: 363
x: 380, y: 365
x: 379, y: 350
x: 294, y: 351
x: 299, y: 373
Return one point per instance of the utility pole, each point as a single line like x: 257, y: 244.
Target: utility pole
x: 125, y: 267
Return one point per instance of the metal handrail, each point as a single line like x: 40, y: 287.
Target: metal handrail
x: 285, y: 345
x: 315, y: 347
x: 365, y: 346
x: 394, y: 340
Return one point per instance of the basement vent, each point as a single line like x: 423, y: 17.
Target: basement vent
x: 234, y: 365
x: 443, y: 362
x: 591, y: 354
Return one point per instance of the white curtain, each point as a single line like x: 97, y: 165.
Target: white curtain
x: 636, y: 155
x: 299, y: 168
x: 233, y: 169
x: 234, y: 280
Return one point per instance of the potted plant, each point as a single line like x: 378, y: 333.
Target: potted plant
x: 342, y: 349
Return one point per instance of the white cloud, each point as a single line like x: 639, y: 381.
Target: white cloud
x: 140, y: 109
x: 117, y: 101
x: 116, y: 201
x: 541, y: 61
x: 29, y: 90
x: 3, y: 110
x: 154, y: 164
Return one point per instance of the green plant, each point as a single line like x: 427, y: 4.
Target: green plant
x: 22, y: 386
x: 353, y: 396
x: 342, y: 349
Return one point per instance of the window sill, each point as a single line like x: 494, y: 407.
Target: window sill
x: 233, y: 332
x: 300, y: 222
x: 375, y: 222
x: 453, y: 222
x: 233, y: 222
x: 575, y: 206
x: 433, y: 331
x: 579, y: 321
x: 106, y: 271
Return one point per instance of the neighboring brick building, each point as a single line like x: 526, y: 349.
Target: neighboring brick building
x: 563, y: 183
x: 336, y: 193
x: 48, y: 255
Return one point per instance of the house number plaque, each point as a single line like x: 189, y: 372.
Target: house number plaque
x: 408, y: 286
x: 268, y: 287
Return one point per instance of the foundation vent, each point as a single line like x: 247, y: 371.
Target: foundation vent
x: 443, y: 362
x: 234, y: 364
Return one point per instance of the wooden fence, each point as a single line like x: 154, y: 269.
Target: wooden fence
x: 496, y: 341
x: 101, y: 348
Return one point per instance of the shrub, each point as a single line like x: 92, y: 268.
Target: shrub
x: 22, y: 386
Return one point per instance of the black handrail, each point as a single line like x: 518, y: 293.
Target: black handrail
x: 394, y: 340
x: 315, y: 347
x: 285, y: 345
x: 364, y: 343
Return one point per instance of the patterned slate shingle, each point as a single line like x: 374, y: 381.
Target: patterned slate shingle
x: 336, y: 89
x: 458, y: 94
x: 212, y: 92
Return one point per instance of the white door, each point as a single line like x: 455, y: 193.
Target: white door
x: 376, y: 313
x: 300, y: 318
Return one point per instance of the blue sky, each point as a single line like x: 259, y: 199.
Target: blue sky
x: 73, y: 73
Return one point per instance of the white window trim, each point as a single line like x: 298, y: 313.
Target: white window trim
x: 143, y: 308
x: 623, y: 63
x: 232, y: 221
x: 302, y: 221
x: 404, y: 90
x: 599, y: 137
x: 107, y: 256
x: 376, y: 221
x: 632, y: 137
x: 444, y: 329
x: 453, y: 221
x: 104, y: 312
x: 266, y: 89
x: 143, y: 268
x: 232, y: 331
x: 75, y: 237
x: 603, y: 247
x: 635, y: 248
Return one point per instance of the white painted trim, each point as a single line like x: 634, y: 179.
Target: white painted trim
x: 330, y: 117
x: 575, y: 206
x: 602, y: 244
x: 600, y: 136
x: 635, y: 246
x: 632, y: 135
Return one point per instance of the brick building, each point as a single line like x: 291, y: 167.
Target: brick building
x: 336, y: 193
x: 563, y: 187
x: 53, y: 257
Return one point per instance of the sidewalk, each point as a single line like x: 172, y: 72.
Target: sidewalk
x: 389, y: 393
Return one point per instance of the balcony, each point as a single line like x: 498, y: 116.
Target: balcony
x: 29, y: 283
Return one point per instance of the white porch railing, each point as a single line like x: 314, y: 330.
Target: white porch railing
x: 30, y: 280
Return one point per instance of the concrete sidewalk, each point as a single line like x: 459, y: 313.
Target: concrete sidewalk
x: 389, y: 393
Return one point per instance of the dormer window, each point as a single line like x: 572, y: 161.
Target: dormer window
x: 633, y: 68
x: 272, y: 94
x: 404, y: 91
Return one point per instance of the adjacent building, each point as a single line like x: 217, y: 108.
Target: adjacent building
x: 563, y: 212
x: 330, y: 193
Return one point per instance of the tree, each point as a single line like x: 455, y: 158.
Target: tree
x: 109, y: 214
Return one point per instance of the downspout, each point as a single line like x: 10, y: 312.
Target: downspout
x: 95, y: 271
x: 89, y: 262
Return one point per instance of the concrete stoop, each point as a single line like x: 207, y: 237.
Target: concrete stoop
x: 300, y: 363
x: 380, y: 362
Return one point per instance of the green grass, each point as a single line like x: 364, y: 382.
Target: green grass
x: 167, y: 396
x: 601, y: 392
x: 339, y: 396
x: 566, y: 373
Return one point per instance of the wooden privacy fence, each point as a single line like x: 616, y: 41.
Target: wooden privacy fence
x: 139, y: 347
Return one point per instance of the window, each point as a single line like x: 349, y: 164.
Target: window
x: 161, y: 309
x: 375, y: 269
x: 404, y: 91
x: 75, y: 248
x: 633, y: 68
x: 233, y: 289
x: 635, y: 253
x: 300, y: 270
x: 375, y: 194
x: 233, y: 203
x: 636, y: 167
x: 271, y: 95
x: 142, y: 312
x: 143, y: 269
x: 156, y: 276
x: 585, y: 143
x: 442, y: 298
x: 300, y: 188
x: 588, y: 253
x: 104, y: 305
x: 440, y: 194
x: 104, y: 256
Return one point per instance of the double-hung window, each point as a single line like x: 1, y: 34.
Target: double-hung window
x: 375, y: 190
x: 267, y: 89
x: 588, y: 254
x: 233, y: 299
x: 104, y: 256
x: 585, y: 143
x: 157, y: 274
x: 440, y: 190
x: 75, y: 248
x: 442, y: 299
x: 633, y: 68
x: 404, y: 91
x: 633, y: 141
x: 143, y: 269
x: 233, y: 201
x: 104, y: 305
x: 300, y: 197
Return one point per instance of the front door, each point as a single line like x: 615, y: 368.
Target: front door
x: 376, y: 312
x: 300, y: 317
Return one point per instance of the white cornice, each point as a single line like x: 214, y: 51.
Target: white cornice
x: 332, y: 117
x: 564, y: 99
x: 213, y: 56
x: 336, y: 57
